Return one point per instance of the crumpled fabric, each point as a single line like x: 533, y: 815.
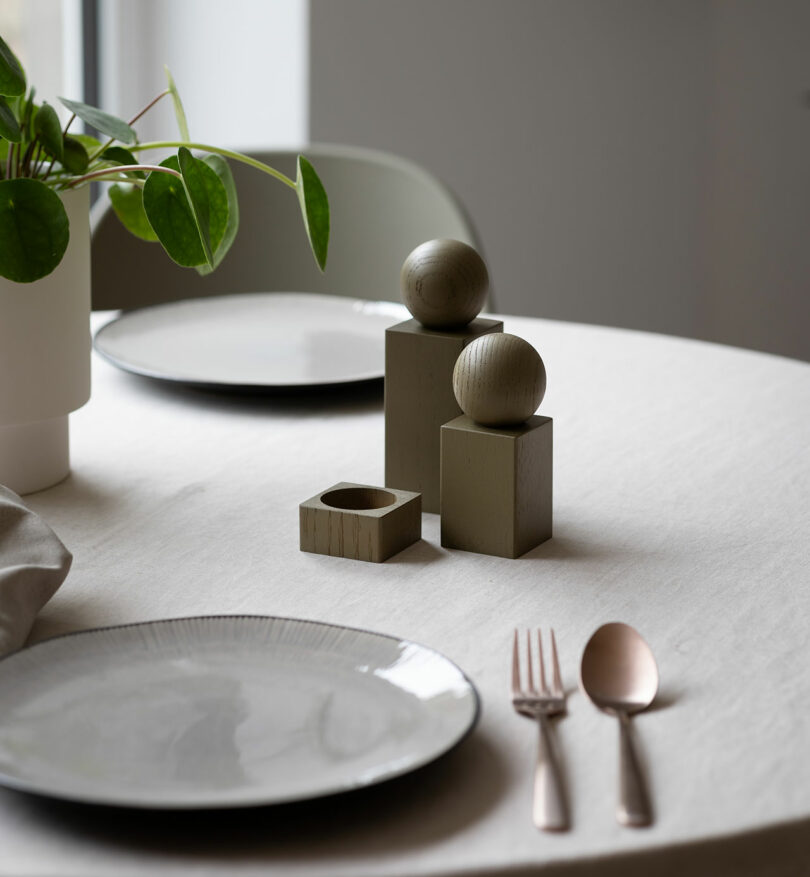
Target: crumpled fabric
x: 33, y: 564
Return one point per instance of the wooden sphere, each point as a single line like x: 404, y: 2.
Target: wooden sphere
x: 499, y: 380
x: 444, y: 283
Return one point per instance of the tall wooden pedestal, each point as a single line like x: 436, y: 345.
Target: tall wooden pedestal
x: 496, y: 486
x: 419, y: 398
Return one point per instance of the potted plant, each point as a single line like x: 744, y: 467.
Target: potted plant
x: 187, y: 203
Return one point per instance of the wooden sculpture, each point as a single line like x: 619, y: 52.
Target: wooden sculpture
x: 496, y: 458
x: 444, y: 285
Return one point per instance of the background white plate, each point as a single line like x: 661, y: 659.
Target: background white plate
x: 224, y: 711
x: 254, y: 340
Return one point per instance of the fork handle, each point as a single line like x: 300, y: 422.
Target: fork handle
x: 549, y: 810
x: 634, y: 803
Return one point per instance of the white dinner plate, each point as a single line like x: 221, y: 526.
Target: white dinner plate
x: 224, y: 711
x: 254, y: 340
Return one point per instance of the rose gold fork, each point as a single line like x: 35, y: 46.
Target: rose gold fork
x: 549, y: 810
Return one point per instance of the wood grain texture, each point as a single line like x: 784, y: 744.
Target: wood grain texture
x: 499, y: 380
x: 374, y: 533
x: 496, y: 486
x: 444, y: 283
x: 419, y: 399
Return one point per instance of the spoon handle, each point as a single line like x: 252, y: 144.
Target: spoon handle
x: 634, y: 803
x: 549, y: 811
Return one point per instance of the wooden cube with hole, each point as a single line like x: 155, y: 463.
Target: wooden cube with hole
x: 360, y: 522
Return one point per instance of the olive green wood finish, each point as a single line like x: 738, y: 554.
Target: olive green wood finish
x: 499, y: 380
x: 419, y: 398
x: 360, y: 522
x: 496, y: 486
x: 444, y: 283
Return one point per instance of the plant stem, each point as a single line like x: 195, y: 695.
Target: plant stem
x: 50, y: 168
x: 97, y: 153
x: 226, y: 153
x: 132, y: 121
x: 8, y: 160
x: 112, y: 173
x: 69, y: 123
x: 28, y: 169
x: 148, y: 107
x: 37, y: 161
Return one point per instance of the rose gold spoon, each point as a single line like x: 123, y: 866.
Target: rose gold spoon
x: 618, y: 673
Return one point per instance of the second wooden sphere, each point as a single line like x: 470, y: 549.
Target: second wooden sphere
x: 444, y: 283
x: 499, y: 380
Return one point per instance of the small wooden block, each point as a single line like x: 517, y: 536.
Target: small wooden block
x: 360, y: 522
x: 419, y: 398
x: 496, y: 486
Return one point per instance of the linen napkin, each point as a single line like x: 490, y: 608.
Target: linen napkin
x: 33, y: 564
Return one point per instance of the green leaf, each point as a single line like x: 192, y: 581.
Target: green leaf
x: 314, y: 209
x: 28, y: 113
x: 198, y: 199
x: 179, y: 112
x: 12, y: 76
x: 170, y: 214
x: 91, y: 144
x: 101, y: 121
x: 33, y: 228
x: 49, y: 130
x: 221, y: 168
x: 119, y: 155
x: 26, y: 110
x: 9, y: 126
x: 75, y: 158
x: 127, y: 202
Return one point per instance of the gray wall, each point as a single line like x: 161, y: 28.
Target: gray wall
x: 627, y: 162
x: 758, y: 237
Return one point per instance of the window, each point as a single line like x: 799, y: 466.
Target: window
x: 240, y: 67
x: 46, y: 37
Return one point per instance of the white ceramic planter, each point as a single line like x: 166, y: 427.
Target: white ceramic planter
x: 45, y: 361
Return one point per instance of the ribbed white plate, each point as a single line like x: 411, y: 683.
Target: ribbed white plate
x: 224, y: 711
x: 253, y: 340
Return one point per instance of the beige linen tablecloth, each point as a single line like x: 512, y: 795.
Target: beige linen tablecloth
x: 682, y: 473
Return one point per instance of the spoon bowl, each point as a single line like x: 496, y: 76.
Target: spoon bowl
x: 619, y: 674
x: 618, y: 671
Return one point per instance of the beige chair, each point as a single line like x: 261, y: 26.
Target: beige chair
x: 382, y: 206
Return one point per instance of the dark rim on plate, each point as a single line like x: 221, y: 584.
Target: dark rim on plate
x: 24, y: 786
x: 227, y: 386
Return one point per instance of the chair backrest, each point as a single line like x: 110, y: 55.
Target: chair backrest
x: 382, y: 206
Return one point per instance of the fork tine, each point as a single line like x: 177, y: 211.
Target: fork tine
x: 557, y: 683
x: 515, y: 665
x: 530, y: 672
x: 543, y: 686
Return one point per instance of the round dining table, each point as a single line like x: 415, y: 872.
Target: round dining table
x: 681, y: 507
